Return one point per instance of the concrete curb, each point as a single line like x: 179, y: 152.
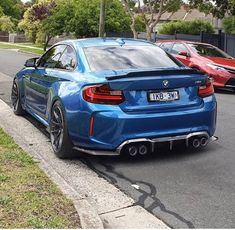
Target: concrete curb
x: 28, y: 52
x: 88, y: 216
x: 99, y: 203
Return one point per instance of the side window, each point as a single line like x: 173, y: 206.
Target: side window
x: 166, y: 46
x: 177, y: 47
x: 51, y: 57
x: 68, y: 59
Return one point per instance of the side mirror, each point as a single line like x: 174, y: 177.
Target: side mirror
x: 184, y: 53
x: 31, y: 62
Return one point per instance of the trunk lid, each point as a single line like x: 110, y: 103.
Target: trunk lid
x: 137, y: 87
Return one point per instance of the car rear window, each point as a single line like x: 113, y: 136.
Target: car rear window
x: 128, y: 57
x: 166, y: 46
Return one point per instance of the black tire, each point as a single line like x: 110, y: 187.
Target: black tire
x: 15, y: 99
x: 61, y: 144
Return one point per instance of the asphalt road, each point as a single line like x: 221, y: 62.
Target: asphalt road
x: 185, y: 189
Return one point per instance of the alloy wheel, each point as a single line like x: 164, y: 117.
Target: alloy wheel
x: 57, y: 128
x: 15, y: 96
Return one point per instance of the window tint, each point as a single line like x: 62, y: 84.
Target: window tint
x: 177, y: 47
x: 166, y: 46
x: 126, y: 57
x: 68, y: 59
x: 51, y: 57
x: 207, y: 50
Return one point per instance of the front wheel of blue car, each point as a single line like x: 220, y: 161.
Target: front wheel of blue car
x: 60, y: 141
x: 15, y: 99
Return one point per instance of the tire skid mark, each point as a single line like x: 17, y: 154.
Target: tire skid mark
x: 156, y: 203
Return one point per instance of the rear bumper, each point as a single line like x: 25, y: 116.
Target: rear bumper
x: 151, y: 142
x: 225, y: 80
x: 114, y: 127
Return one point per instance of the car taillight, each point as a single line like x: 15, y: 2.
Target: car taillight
x: 102, y: 94
x: 207, y: 89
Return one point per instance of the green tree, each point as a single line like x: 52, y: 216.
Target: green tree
x: 6, y: 24
x: 84, y: 20
x: 13, y: 8
x: 1, y: 11
x: 35, y: 22
x: 150, y: 11
x: 229, y: 25
x: 129, y: 6
x: 219, y: 8
x: 49, y: 18
x: 117, y: 20
x: 56, y: 23
x: 29, y: 26
x: 139, y: 23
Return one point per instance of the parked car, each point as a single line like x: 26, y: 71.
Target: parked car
x: 206, y: 58
x: 115, y: 96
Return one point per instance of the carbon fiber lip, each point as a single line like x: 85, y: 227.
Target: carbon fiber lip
x: 171, y: 140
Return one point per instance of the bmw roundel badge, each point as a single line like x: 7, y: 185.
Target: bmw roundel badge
x: 165, y: 83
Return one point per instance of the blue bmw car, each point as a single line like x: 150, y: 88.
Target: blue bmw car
x: 107, y: 96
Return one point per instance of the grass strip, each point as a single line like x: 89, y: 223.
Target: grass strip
x: 28, y: 198
x: 28, y: 48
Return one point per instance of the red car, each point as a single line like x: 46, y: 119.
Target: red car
x: 204, y: 57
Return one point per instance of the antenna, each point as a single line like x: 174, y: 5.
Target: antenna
x: 120, y: 41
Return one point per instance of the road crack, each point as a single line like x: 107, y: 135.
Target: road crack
x: 152, y: 194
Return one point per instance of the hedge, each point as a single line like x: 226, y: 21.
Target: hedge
x: 186, y: 27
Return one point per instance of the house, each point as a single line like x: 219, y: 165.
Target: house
x: 187, y: 14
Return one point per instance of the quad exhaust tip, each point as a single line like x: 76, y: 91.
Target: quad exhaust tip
x: 143, y: 146
x: 143, y: 149
x: 140, y: 149
x: 200, y: 142
x: 132, y: 150
x: 204, y: 141
x: 196, y: 143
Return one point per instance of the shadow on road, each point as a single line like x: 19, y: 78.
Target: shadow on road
x: 224, y: 91
x: 163, y: 154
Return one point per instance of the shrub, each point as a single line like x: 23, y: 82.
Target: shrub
x: 186, y: 27
x: 6, y: 24
x: 229, y: 25
x: 139, y: 23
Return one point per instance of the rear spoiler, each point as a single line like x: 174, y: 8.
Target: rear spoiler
x: 155, y: 73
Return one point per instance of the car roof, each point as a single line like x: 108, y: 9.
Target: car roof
x: 91, y: 42
x: 183, y: 41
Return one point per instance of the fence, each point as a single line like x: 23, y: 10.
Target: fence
x: 17, y: 38
x: 229, y: 44
x: 4, y: 37
x: 121, y: 34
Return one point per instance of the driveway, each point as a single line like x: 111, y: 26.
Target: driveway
x: 183, y: 188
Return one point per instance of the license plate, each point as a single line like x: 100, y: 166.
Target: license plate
x: 163, y: 96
